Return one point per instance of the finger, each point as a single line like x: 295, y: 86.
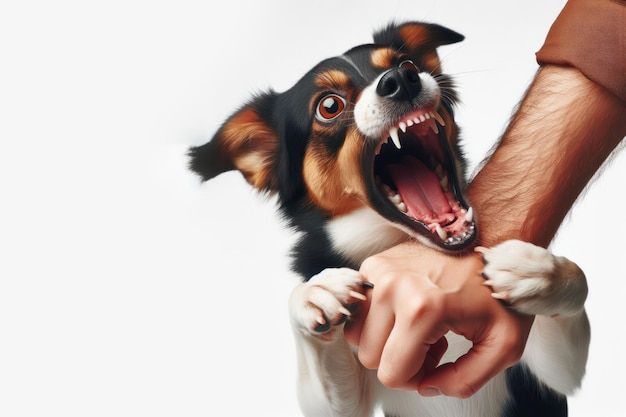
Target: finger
x: 431, y: 361
x: 401, y: 362
x: 411, y: 348
x: 495, y: 349
x: 468, y: 374
x: 376, y: 328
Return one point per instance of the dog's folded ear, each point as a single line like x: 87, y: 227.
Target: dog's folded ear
x: 245, y: 142
x: 416, y: 37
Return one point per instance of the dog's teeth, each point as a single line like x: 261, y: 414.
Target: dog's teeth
x: 409, y: 122
x: 439, y: 171
x: 442, y: 233
x: 393, y: 134
x: 439, y: 119
x: 469, y: 216
x: 422, y: 118
x: 444, y: 183
x: 428, y: 115
x: 433, y: 126
x: 416, y: 120
x: 402, y: 126
x: 392, y: 195
x: 395, y: 199
x: 436, y: 227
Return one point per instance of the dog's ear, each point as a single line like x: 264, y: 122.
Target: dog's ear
x: 416, y: 37
x: 245, y: 142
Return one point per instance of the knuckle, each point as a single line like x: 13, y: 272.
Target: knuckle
x: 386, y: 285
x: 428, y: 303
x: 368, y: 264
x: 388, y: 379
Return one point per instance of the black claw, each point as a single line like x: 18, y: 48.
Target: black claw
x: 341, y: 321
x: 484, y: 275
x: 367, y: 284
x: 506, y: 303
x: 322, y: 328
x: 353, y: 307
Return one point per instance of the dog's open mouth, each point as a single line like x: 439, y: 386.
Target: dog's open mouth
x: 415, y: 174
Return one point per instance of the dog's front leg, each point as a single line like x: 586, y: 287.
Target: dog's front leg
x: 531, y: 280
x: 331, y: 382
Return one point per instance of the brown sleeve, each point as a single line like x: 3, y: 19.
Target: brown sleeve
x: 590, y: 35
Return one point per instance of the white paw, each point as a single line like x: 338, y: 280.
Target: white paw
x: 521, y: 274
x: 319, y: 306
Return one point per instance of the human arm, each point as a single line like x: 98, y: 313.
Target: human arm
x: 564, y: 130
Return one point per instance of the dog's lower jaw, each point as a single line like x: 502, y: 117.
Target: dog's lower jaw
x: 364, y: 232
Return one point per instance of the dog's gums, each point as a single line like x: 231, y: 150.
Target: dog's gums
x: 414, y: 172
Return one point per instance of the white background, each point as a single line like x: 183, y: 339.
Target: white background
x: 127, y: 288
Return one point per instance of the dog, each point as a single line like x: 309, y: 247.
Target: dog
x: 363, y: 153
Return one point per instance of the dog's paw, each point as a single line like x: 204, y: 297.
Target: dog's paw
x: 318, y: 307
x: 520, y: 274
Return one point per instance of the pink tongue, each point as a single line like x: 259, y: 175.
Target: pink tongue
x: 421, y: 191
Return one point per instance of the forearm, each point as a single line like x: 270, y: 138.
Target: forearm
x: 563, y: 131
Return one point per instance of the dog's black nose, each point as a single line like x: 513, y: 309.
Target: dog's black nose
x: 399, y: 84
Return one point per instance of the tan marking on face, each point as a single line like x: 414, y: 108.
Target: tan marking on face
x: 335, y: 183
x: 382, y: 58
x: 332, y: 80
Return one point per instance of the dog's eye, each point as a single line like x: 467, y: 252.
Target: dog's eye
x: 408, y: 64
x: 329, y: 107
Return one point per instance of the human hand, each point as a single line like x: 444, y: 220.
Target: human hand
x: 419, y: 295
